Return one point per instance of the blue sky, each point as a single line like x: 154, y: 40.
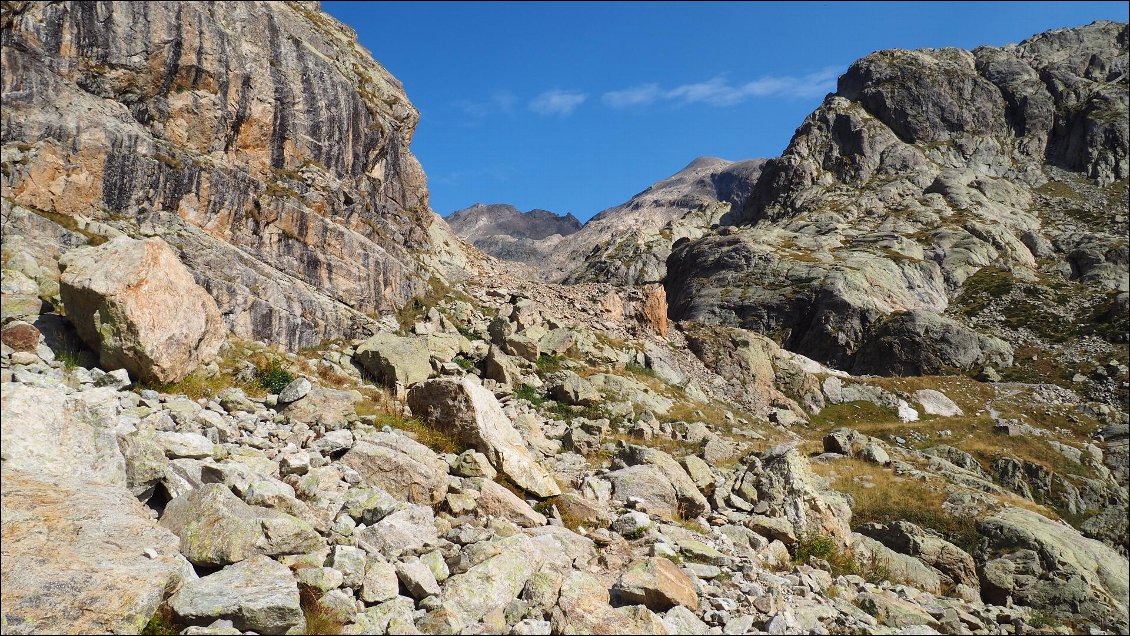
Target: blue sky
x: 575, y: 107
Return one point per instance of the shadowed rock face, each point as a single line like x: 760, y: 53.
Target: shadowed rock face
x: 925, y: 173
x: 259, y: 139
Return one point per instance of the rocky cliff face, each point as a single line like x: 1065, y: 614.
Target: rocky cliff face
x: 259, y: 139
x: 982, y: 189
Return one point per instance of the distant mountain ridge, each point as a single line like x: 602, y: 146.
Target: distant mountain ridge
x: 492, y: 219
x: 624, y: 244
x: 501, y: 230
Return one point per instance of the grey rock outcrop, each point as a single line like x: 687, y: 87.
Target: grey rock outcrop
x: 216, y: 528
x: 657, y: 583
x: 74, y: 557
x: 782, y: 481
x: 400, y: 465
x: 925, y: 343
x: 50, y: 434
x: 395, y: 359
x: 970, y: 165
x: 947, y: 558
x: 258, y: 594
x: 1041, y: 563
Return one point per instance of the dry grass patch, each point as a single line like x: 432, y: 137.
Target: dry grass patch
x: 674, y: 447
x: 880, y: 496
x: 974, y: 432
x: 328, y: 377
x: 968, y: 393
x: 859, y: 415
x: 270, y: 376
x: 387, y: 411
x: 318, y: 621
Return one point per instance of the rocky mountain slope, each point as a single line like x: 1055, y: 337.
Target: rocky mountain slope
x: 260, y: 140
x: 490, y: 453
x: 627, y: 244
x: 504, y: 232
x: 498, y: 219
x: 943, y: 210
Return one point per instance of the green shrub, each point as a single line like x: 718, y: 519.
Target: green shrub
x: 273, y: 377
x: 529, y: 394
x: 814, y: 546
x: 549, y: 363
x: 161, y: 623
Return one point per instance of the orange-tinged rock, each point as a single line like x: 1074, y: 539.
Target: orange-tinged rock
x: 657, y: 583
x: 139, y: 307
x: 654, y: 309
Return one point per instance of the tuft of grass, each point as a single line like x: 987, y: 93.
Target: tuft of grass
x: 691, y: 524
x: 195, y: 386
x: 814, y: 546
x: 635, y: 534
x: 842, y: 562
x: 332, y: 378
x: 318, y: 621
x: 1045, y: 619
x: 418, y: 306
x: 530, y: 394
x: 70, y: 359
x: 637, y: 369
x: 270, y: 376
x: 273, y: 377
x: 464, y: 363
x: 549, y: 363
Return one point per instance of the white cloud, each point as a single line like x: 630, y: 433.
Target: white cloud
x: 557, y: 102
x: 716, y: 92
x: 634, y: 96
x: 720, y: 92
x: 499, y: 102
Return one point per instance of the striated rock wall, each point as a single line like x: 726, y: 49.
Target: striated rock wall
x: 259, y: 139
